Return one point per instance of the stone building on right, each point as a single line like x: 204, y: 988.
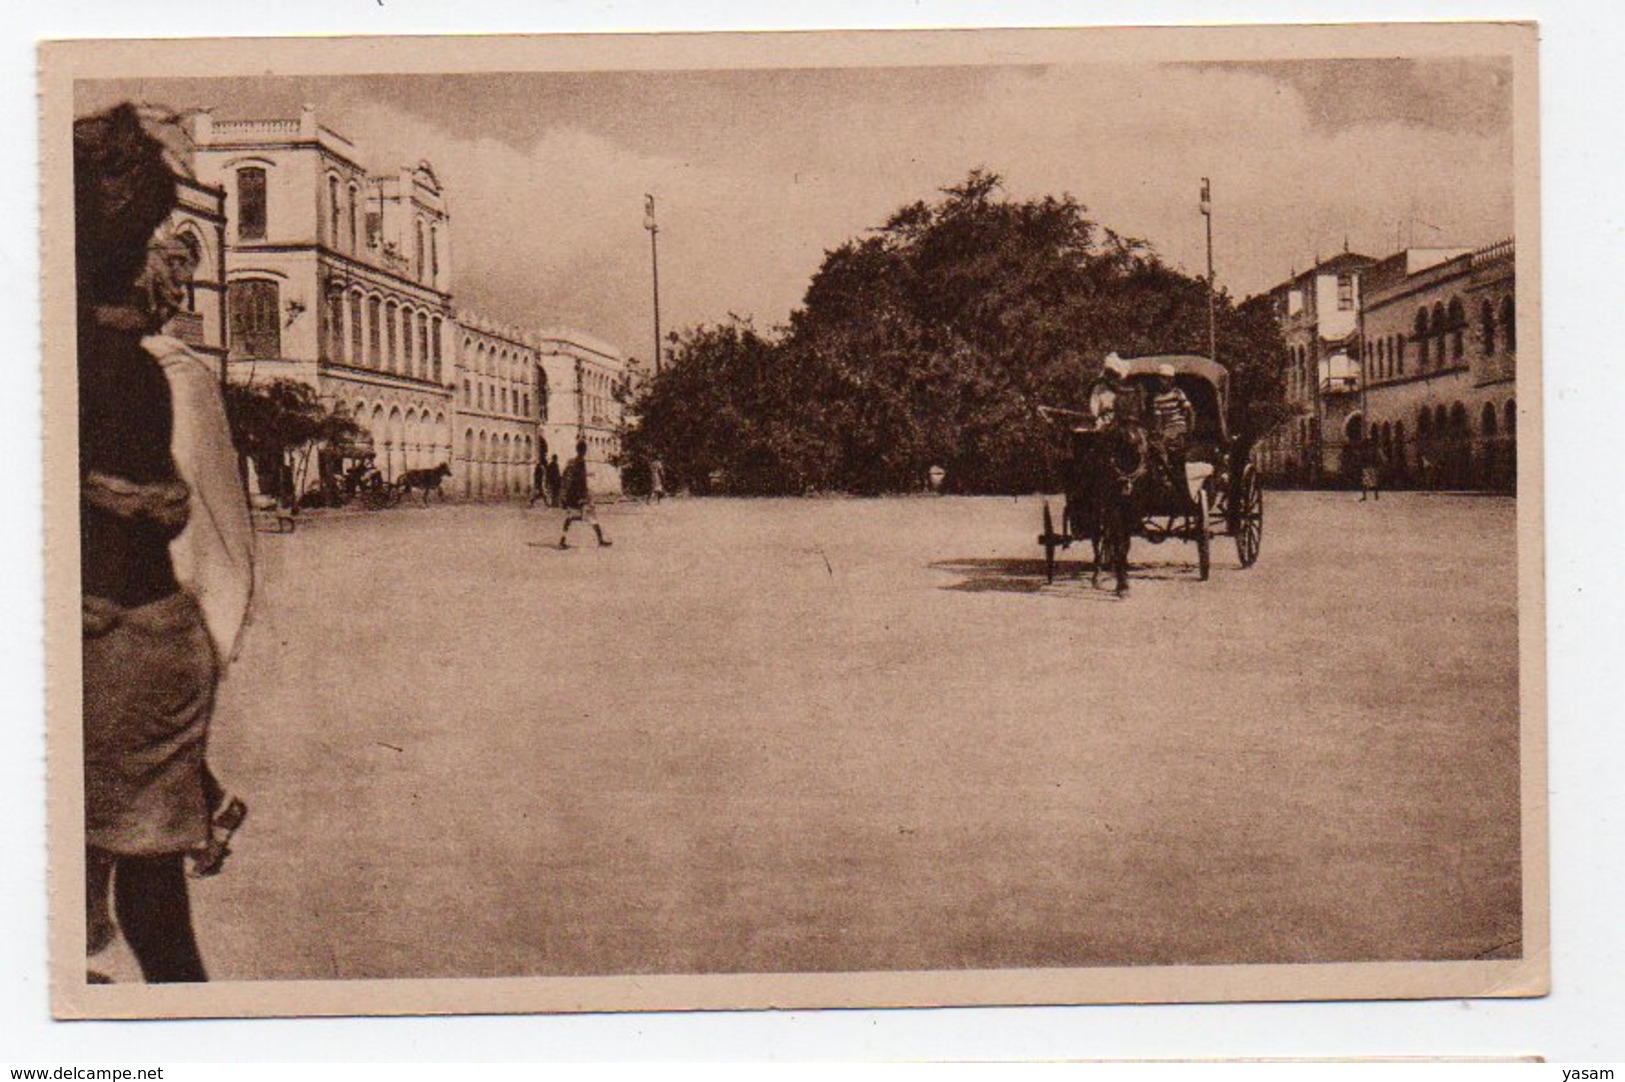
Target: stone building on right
x: 1439, y: 351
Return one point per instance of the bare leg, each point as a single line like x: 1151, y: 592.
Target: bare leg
x: 99, y: 930
x: 156, y: 915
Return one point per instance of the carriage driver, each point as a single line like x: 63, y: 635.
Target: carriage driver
x: 1103, y: 396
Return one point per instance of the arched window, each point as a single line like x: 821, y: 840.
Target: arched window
x: 353, y: 201
x: 194, y: 250
x: 1399, y: 354
x: 357, y: 331
x: 391, y: 353
x: 333, y: 308
x: 335, y: 210
x: 541, y: 393
x: 1422, y: 338
x: 1511, y: 417
x: 1458, y: 329
x: 1440, y: 327
x: 434, y: 254
x: 255, y: 313
x: 1487, y: 422
x: 1441, y: 421
x: 1458, y: 421
x: 420, y: 249
x: 374, y: 315
x: 434, y: 343
x: 423, y: 345
x: 1509, y: 325
x: 407, y: 362
x: 468, y: 393
x: 1486, y: 326
x: 251, y: 211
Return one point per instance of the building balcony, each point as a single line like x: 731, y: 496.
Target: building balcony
x: 1339, y: 374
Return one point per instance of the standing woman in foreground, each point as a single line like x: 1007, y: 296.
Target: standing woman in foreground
x: 150, y: 666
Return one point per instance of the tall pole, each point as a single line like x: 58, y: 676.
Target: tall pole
x: 1212, y: 325
x: 654, y: 266
x: 581, y: 400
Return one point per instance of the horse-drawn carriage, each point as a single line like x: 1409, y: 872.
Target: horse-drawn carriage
x: 1122, y: 482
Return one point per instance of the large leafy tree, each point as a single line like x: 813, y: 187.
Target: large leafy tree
x: 932, y: 341
x: 277, y: 425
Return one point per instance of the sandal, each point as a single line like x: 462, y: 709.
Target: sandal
x: 211, y: 857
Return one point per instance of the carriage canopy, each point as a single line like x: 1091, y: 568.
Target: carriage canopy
x: 1205, y: 382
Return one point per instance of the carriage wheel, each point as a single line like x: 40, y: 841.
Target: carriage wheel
x: 1204, y: 532
x: 1049, y: 544
x: 1249, y: 516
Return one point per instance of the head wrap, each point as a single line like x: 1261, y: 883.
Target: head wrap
x: 123, y: 189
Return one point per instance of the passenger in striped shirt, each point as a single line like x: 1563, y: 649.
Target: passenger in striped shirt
x: 1174, y: 419
x: 1174, y: 416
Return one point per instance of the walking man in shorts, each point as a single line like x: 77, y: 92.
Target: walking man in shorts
x: 577, y: 500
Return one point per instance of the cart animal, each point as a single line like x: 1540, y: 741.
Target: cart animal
x: 1119, y: 485
x: 426, y: 480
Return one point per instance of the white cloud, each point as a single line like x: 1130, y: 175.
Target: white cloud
x: 551, y: 232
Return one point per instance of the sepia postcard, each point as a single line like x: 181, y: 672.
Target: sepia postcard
x: 793, y: 520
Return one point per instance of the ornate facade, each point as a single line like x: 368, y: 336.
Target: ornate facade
x: 1318, y: 312
x: 1441, y: 361
x: 500, y: 398
x: 580, y: 376
x: 337, y: 278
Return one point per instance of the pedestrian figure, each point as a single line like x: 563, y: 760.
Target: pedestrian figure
x: 152, y: 648
x: 657, y: 481
x: 555, y: 481
x: 577, y: 498
x: 1371, y: 463
x: 538, y: 484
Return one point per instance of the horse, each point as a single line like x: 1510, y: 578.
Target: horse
x: 1120, y: 469
x: 427, y: 480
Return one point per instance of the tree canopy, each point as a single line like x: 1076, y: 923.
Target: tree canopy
x: 933, y: 340
x: 275, y: 423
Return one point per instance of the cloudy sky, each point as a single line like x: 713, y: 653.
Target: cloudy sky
x: 757, y: 174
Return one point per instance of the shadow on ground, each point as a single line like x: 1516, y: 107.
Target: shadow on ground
x: 1026, y: 576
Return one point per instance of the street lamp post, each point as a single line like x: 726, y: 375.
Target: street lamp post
x: 581, y: 400
x: 1212, y: 326
x: 654, y: 266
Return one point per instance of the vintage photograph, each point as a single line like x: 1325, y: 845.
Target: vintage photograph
x: 794, y: 520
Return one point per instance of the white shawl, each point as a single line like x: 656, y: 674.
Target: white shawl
x: 214, y: 554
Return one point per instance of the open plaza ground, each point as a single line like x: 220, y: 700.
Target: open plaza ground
x: 833, y: 735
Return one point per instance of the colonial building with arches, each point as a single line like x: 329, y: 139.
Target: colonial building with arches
x: 582, y: 383
x: 500, y: 398
x: 1440, y: 358
x: 338, y: 278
